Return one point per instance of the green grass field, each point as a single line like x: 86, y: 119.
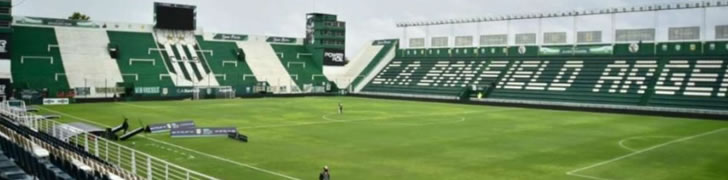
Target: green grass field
x: 392, y: 139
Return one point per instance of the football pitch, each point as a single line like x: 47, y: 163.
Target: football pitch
x: 293, y: 138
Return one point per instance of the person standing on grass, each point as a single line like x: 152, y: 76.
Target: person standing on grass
x: 125, y: 125
x: 324, y: 175
x: 341, y: 108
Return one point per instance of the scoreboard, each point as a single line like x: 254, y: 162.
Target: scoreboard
x: 174, y: 16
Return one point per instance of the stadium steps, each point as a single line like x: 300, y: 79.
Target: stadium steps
x: 182, y: 60
x: 178, y: 66
x: 33, y: 48
x: 139, y: 65
x: 228, y: 70
x: 9, y: 169
x: 360, y: 65
x: 265, y: 65
x: 299, y: 64
x: 383, y: 57
x: 87, y: 60
x: 691, y: 83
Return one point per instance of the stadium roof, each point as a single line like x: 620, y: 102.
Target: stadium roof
x: 655, y: 7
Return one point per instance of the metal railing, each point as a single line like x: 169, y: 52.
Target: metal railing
x: 128, y: 159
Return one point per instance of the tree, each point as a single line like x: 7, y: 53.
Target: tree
x: 78, y: 16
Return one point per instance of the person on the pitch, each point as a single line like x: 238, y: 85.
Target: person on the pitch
x: 324, y: 175
x: 125, y: 125
x: 341, y: 108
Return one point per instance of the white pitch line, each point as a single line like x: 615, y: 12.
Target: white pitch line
x: 587, y: 176
x: 183, y: 148
x: 572, y: 172
x: 621, y: 142
x: 223, y: 159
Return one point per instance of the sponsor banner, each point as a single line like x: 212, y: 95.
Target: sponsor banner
x: 55, y: 101
x: 591, y: 50
x: 162, y: 127
x: 383, y: 42
x: 146, y: 90
x: 55, y: 22
x: 201, y: 132
x: 334, y: 57
x: 4, y: 45
x: 186, y: 90
x: 280, y: 40
x: 230, y: 37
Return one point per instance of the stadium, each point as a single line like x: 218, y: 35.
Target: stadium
x: 634, y: 92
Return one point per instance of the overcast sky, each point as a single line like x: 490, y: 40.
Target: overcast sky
x: 366, y: 19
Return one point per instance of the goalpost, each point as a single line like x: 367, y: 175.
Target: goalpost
x: 217, y: 92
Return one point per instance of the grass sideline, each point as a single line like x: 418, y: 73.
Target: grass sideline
x: 394, y: 139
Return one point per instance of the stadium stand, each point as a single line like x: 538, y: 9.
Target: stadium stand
x: 229, y: 70
x: 180, y: 49
x: 375, y: 53
x: 692, y: 83
x: 46, y: 149
x: 596, y: 81
x: 659, y: 81
x: 299, y: 64
x: 43, y: 159
x: 87, y: 62
x: 36, y: 60
x: 8, y: 168
x: 139, y: 64
x: 266, y: 66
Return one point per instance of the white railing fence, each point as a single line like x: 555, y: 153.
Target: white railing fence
x: 128, y: 159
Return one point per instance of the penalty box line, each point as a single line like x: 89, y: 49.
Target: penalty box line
x: 184, y: 148
x: 573, y: 172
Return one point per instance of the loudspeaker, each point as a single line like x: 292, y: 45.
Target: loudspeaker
x: 240, y: 54
x: 113, y: 50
